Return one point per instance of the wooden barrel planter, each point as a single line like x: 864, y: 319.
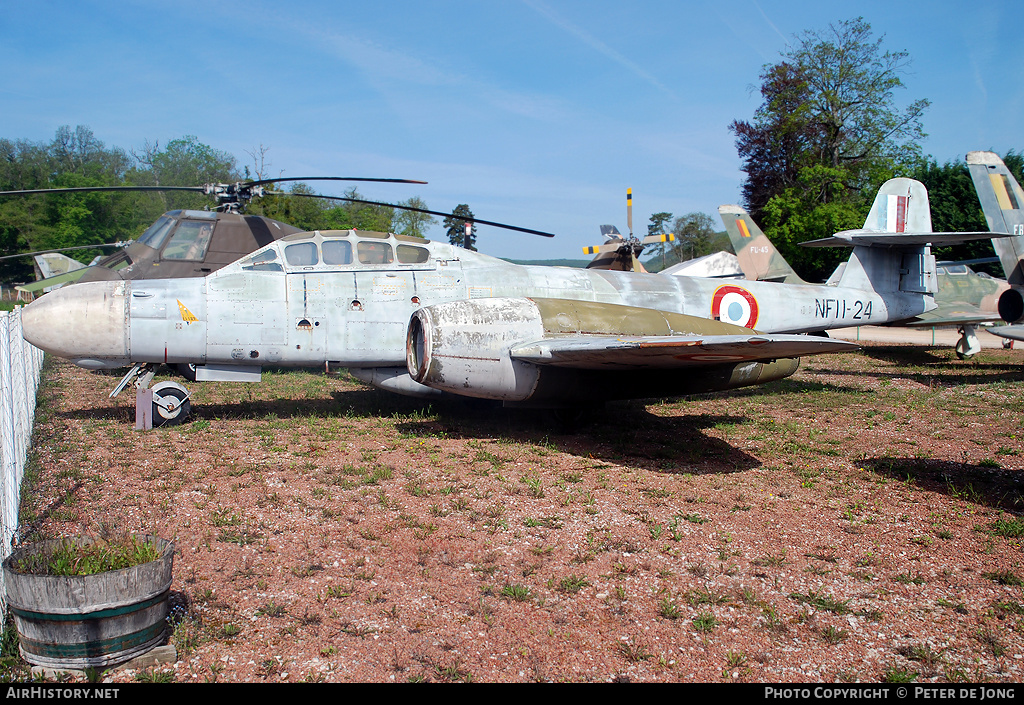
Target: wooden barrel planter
x: 89, y: 621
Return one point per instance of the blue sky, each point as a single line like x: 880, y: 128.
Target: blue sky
x: 534, y: 112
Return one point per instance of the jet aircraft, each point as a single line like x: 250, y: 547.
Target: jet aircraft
x: 1002, y: 201
x: 963, y: 297
x: 426, y: 318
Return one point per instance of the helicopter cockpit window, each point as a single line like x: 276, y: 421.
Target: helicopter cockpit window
x: 409, y: 254
x: 155, y: 234
x: 374, y: 253
x: 265, y: 261
x: 301, y: 254
x: 337, y: 252
x: 189, y: 242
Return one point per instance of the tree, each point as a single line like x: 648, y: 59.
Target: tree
x: 74, y: 158
x: 301, y: 209
x: 827, y: 135
x: 412, y: 223
x: 694, y: 235
x: 360, y: 216
x: 183, y: 162
x: 780, y: 140
x: 455, y: 227
x: 656, y: 226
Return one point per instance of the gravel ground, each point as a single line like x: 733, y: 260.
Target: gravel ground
x: 857, y: 522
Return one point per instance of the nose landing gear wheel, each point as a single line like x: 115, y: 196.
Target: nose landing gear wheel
x: 171, y: 406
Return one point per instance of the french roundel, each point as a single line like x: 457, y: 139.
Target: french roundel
x: 736, y: 305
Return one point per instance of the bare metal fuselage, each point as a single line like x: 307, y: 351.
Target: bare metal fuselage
x: 296, y: 312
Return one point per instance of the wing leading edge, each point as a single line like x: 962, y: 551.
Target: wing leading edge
x: 671, y: 351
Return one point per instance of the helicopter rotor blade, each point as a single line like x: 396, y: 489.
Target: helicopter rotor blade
x: 629, y: 210
x: 68, y: 249
x: 424, y: 210
x: 261, y: 182
x: 85, y: 189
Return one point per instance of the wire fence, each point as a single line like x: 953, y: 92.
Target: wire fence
x: 20, y: 364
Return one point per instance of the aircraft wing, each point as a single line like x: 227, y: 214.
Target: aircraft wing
x: 953, y: 314
x: 602, y: 352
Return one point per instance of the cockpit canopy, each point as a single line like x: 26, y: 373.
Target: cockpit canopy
x: 190, y: 240
x: 345, y: 249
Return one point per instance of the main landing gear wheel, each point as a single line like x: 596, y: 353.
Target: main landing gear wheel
x: 968, y: 344
x: 171, y: 405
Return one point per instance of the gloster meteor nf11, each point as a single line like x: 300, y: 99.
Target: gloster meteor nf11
x: 426, y: 318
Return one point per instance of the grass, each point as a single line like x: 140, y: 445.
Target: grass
x: 517, y: 593
x: 822, y: 602
x: 73, y: 558
x: 705, y: 622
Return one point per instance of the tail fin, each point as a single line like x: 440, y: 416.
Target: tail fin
x: 901, y: 206
x: 759, y: 259
x: 890, y: 253
x: 1003, y: 204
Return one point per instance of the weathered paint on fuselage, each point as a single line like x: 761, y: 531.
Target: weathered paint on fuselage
x: 357, y: 314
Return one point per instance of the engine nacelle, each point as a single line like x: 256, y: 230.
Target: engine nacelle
x: 1011, y: 305
x: 464, y: 347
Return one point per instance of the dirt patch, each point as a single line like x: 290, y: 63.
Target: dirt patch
x: 856, y: 522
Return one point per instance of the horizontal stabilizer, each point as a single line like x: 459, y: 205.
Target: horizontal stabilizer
x: 672, y: 351
x: 958, y: 314
x: 1009, y: 332
x: 876, y: 238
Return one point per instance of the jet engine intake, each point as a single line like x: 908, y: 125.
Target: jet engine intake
x: 463, y: 347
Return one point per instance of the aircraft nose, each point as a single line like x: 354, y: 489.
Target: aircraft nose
x: 86, y: 323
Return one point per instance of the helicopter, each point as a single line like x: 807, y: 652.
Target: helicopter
x: 184, y: 243
x: 622, y: 254
x: 194, y: 243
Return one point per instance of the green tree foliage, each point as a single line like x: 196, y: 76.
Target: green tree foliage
x: 183, y: 162
x: 828, y: 133
x: 695, y: 236
x: 76, y: 158
x: 413, y: 223
x: 455, y: 227
x: 302, y: 209
x: 359, y: 216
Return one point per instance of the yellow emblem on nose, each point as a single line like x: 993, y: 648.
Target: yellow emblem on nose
x: 186, y: 315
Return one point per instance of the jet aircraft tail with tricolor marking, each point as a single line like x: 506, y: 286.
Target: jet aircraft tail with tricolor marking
x: 758, y: 258
x: 891, y: 254
x: 1002, y: 201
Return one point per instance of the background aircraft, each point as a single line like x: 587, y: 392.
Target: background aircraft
x: 622, y: 254
x: 1002, y: 201
x: 963, y: 297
